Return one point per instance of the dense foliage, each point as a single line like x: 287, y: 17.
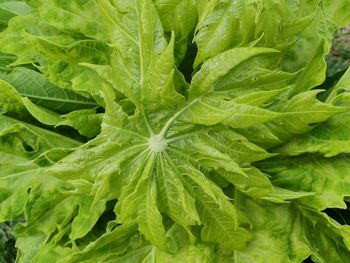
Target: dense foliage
x: 174, y: 131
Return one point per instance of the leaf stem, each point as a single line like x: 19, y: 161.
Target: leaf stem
x: 167, y: 125
x: 186, y: 135
x: 148, y: 125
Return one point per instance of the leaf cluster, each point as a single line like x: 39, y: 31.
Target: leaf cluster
x: 173, y: 131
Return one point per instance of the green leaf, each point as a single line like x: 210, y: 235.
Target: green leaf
x: 304, y: 109
x: 81, y: 17
x: 325, y: 177
x: 41, y: 114
x: 338, y: 10
x: 178, y: 16
x: 226, y: 24
x: 25, y: 149
x: 137, y: 34
x: 219, y: 66
x: 308, y: 51
x: 339, y: 94
x: 329, y: 138
x: 150, y: 219
x: 103, y: 246
x: 286, y: 233
x: 173, y: 198
x: 189, y: 113
x: 13, y: 42
x: 57, y: 52
x: 212, y: 110
x: 298, y: 114
x: 9, y: 9
x: 5, y: 61
x: 217, y: 27
x: 10, y: 99
x: 87, y: 122
x: 216, y: 213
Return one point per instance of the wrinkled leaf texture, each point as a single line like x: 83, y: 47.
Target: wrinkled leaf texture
x: 111, y: 150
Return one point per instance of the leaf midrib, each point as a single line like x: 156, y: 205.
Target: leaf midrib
x: 213, y: 217
x: 58, y: 99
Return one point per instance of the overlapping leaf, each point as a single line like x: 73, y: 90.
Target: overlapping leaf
x: 180, y: 171
x: 329, y: 138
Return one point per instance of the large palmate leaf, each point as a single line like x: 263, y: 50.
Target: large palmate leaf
x: 189, y: 114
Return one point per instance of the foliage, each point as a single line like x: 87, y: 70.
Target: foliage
x: 173, y: 131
